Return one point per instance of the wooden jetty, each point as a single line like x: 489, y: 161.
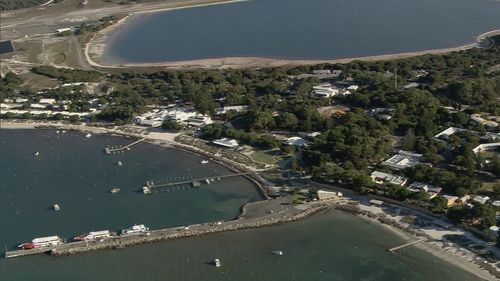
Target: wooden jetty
x: 110, y: 150
x: 193, y: 182
x: 393, y: 250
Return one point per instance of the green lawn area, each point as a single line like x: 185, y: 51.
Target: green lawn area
x: 264, y: 157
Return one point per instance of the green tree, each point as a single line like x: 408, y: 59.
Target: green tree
x: 439, y: 204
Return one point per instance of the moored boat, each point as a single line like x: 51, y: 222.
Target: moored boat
x: 204, y: 162
x: 217, y: 263
x: 56, y: 207
x: 135, y: 229
x: 42, y: 242
x: 88, y: 135
x: 115, y: 190
x: 94, y: 235
x: 119, y: 163
x: 277, y: 252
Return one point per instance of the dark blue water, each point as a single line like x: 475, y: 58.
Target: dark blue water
x: 73, y: 171
x: 301, y: 29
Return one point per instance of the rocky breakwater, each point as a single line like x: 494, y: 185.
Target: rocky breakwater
x: 291, y: 214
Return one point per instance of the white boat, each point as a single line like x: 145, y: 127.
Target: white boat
x: 146, y: 190
x: 204, y: 162
x: 36, y: 153
x: 207, y: 181
x: 136, y: 229
x: 277, y: 252
x: 94, y: 235
x: 119, y: 163
x: 56, y: 207
x: 88, y: 135
x: 42, y: 242
x: 217, y: 263
x: 115, y: 190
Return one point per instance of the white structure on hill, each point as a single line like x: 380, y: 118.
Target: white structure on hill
x: 402, y: 160
x: 325, y: 90
x: 226, y: 142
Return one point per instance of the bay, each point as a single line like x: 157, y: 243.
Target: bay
x: 300, y: 29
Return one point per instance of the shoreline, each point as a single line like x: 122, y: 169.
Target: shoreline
x: 457, y: 256
x: 94, y: 50
x: 467, y: 261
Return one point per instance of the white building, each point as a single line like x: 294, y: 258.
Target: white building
x: 402, y: 160
x: 47, y: 101
x: 327, y: 195
x: 226, y: 142
x: 486, y: 146
x: 237, y: 108
x: 480, y: 199
x: 325, y: 90
x: 381, y: 178
x: 296, y: 141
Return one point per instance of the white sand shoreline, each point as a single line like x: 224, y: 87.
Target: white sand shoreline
x: 94, y: 50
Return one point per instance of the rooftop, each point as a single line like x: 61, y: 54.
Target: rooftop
x: 402, y: 160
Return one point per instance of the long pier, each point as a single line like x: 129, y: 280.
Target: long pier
x: 393, y: 250
x: 110, y: 150
x: 194, y: 182
x: 281, y: 215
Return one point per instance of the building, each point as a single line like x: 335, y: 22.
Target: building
x: 199, y: 120
x: 448, y: 132
x: 381, y: 178
x: 376, y: 202
x: 480, y: 199
x: 325, y: 90
x: 482, y: 121
x: 226, y: 142
x: 296, y: 141
x: 328, y: 195
x: 486, y: 147
x: 451, y: 200
x: 420, y: 186
x: 496, y: 203
x: 403, y: 160
x: 237, y: 108
x: 353, y: 88
x: 6, y: 47
x: 47, y: 101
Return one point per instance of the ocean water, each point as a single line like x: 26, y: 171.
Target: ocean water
x: 301, y: 29
x: 325, y: 247
x: 74, y: 172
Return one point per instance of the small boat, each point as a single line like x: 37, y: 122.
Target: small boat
x: 57, y: 132
x: 277, y: 252
x: 115, y: 190
x: 56, y: 207
x: 119, y: 163
x: 36, y: 153
x: 204, y: 162
x: 207, y: 181
x: 217, y: 263
x: 128, y: 148
x: 146, y: 190
x: 88, y: 135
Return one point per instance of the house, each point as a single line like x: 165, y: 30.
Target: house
x: 480, y: 199
x: 411, y: 85
x: 481, y: 121
x: 199, y: 120
x: 321, y: 72
x: 237, y: 108
x: 353, y: 88
x: 464, y: 199
x: 296, y: 141
x: 420, y: 186
x: 325, y: 90
x: 486, y: 147
x: 496, y: 203
x: 448, y: 132
x: 21, y: 100
x: 327, y: 195
x: 334, y: 110
x: 61, y: 30
x: 452, y: 200
x: 381, y: 178
x: 37, y: 106
x: 47, y: 101
x: 226, y: 142
x: 403, y: 160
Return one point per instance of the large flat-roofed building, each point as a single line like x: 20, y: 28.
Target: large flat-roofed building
x: 403, y: 160
x: 381, y: 178
x: 327, y: 195
x: 325, y: 90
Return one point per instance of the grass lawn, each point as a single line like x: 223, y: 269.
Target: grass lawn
x: 264, y: 157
